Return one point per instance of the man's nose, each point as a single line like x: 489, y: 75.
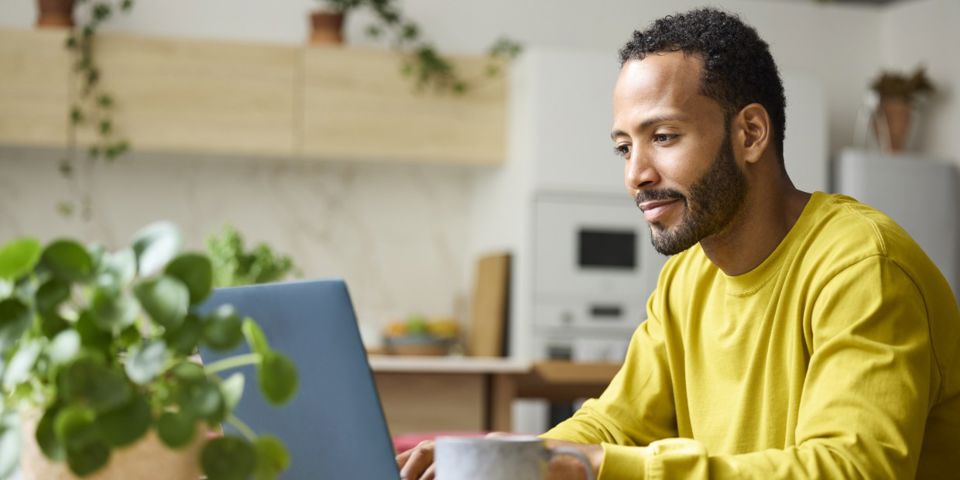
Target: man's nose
x: 639, y: 172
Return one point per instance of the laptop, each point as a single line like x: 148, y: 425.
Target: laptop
x: 334, y: 426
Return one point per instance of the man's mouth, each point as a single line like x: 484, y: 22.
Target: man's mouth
x: 655, y: 210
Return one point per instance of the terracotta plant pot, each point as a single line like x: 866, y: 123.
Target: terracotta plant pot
x: 55, y: 13
x: 326, y: 28
x: 146, y: 459
x: 892, y: 123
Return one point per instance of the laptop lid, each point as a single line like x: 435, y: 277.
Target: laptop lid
x: 334, y: 426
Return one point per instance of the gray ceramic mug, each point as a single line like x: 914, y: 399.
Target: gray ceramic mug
x: 498, y: 458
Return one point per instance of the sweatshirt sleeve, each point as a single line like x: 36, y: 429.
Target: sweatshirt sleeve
x: 637, y: 407
x: 870, y: 380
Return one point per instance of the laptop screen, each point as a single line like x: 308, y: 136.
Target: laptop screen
x: 334, y: 427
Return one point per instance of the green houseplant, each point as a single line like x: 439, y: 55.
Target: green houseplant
x: 93, y: 107
x: 422, y: 63
x: 98, y: 344
x: 234, y: 265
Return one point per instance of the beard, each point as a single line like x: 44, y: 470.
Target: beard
x: 711, y: 204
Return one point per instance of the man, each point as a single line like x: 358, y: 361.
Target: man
x: 790, y: 335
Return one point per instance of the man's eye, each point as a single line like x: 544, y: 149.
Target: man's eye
x: 663, y: 137
x: 622, y: 150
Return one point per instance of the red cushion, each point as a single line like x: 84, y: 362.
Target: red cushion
x: 407, y: 441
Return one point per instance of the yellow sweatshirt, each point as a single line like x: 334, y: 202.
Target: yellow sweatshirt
x: 837, y: 357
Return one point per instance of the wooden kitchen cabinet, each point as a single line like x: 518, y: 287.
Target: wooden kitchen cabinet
x: 192, y: 96
x: 178, y: 95
x: 34, y: 88
x: 358, y: 105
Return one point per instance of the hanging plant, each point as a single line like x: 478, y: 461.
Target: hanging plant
x: 422, y: 63
x: 93, y: 108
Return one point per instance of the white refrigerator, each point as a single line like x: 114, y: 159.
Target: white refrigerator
x: 920, y: 193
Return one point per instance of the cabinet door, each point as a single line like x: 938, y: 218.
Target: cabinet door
x: 358, y: 105
x: 35, y: 68
x: 179, y: 95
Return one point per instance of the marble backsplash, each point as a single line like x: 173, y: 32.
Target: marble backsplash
x: 396, y: 233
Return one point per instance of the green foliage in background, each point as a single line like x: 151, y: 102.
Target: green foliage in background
x: 98, y: 343
x: 422, y: 63
x: 233, y: 265
x: 94, y: 106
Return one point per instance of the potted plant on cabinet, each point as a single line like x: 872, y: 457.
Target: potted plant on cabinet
x: 95, y: 364
x: 898, y: 98
x: 422, y: 63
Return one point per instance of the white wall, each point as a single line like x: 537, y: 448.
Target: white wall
x: 395, y: 233
x: 924, y: 32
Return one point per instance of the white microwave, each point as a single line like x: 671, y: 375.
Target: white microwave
x: 594, y: 265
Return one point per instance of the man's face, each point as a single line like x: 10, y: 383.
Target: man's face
x: 679, y: 161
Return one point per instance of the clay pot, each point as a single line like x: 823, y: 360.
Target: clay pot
x: 326, y: 28
x: 55, y: 13
x: 146, y: 459
x: 892, y: 123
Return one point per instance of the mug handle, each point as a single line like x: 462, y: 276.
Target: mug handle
x: 576, y: 453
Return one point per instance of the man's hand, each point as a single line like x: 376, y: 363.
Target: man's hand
x: 566, y: 467
x: 417, y: 463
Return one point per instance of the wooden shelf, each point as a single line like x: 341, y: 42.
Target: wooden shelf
x: 34, y: 91
x: 358, y: 103
x: 201, y: 96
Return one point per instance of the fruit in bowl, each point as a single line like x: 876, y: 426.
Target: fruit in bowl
x: 418, y: 335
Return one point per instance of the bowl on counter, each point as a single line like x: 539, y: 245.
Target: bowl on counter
x: 417, y: 344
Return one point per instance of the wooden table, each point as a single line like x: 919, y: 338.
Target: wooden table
x: 422, y: 394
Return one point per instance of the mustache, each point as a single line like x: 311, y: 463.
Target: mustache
x: 652, y: 195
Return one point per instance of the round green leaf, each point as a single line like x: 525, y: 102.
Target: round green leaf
x: 68, y: 260
x: 128, y: 337
x: 87, y: 458
x: 47, y: 438
x: 51, y: 294
x: 87, y: 381
x: 185, y: 338
x: 176, y: 429
x: 53, y: 324
x: 21, y: 364
x: 255, y: 337
x: 232, y: 389
x: 64, y: 347
x: 272, y: 457
x: 127, y: 424
x: 278, y: 378
x: 223, y: 329
x: 112, y: 311
x: 75, y: 428
x: 117, y: 269
x: 145, y: 361
x: 155, y: 245
x: 228, y: 458
x: 201, y: 400
x: 189, y: 372
x: 165, y: 299
x: 91, y: 336
x: 9, y: 445
x: 17, y: 258
x: 6, y: 288
x: 196, y: 272
x: 14, y: 321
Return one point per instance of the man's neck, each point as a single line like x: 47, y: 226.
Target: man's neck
x: 768, y: 213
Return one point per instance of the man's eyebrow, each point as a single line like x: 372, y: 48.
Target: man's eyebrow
x: 650, y: 121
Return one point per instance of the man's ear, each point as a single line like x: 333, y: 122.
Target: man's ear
x: 754, y: 132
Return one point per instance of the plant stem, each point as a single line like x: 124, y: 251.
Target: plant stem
x: 243, y: 427
x: 233, y: 362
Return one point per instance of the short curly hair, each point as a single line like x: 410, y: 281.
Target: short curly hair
x: 737, y: 66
